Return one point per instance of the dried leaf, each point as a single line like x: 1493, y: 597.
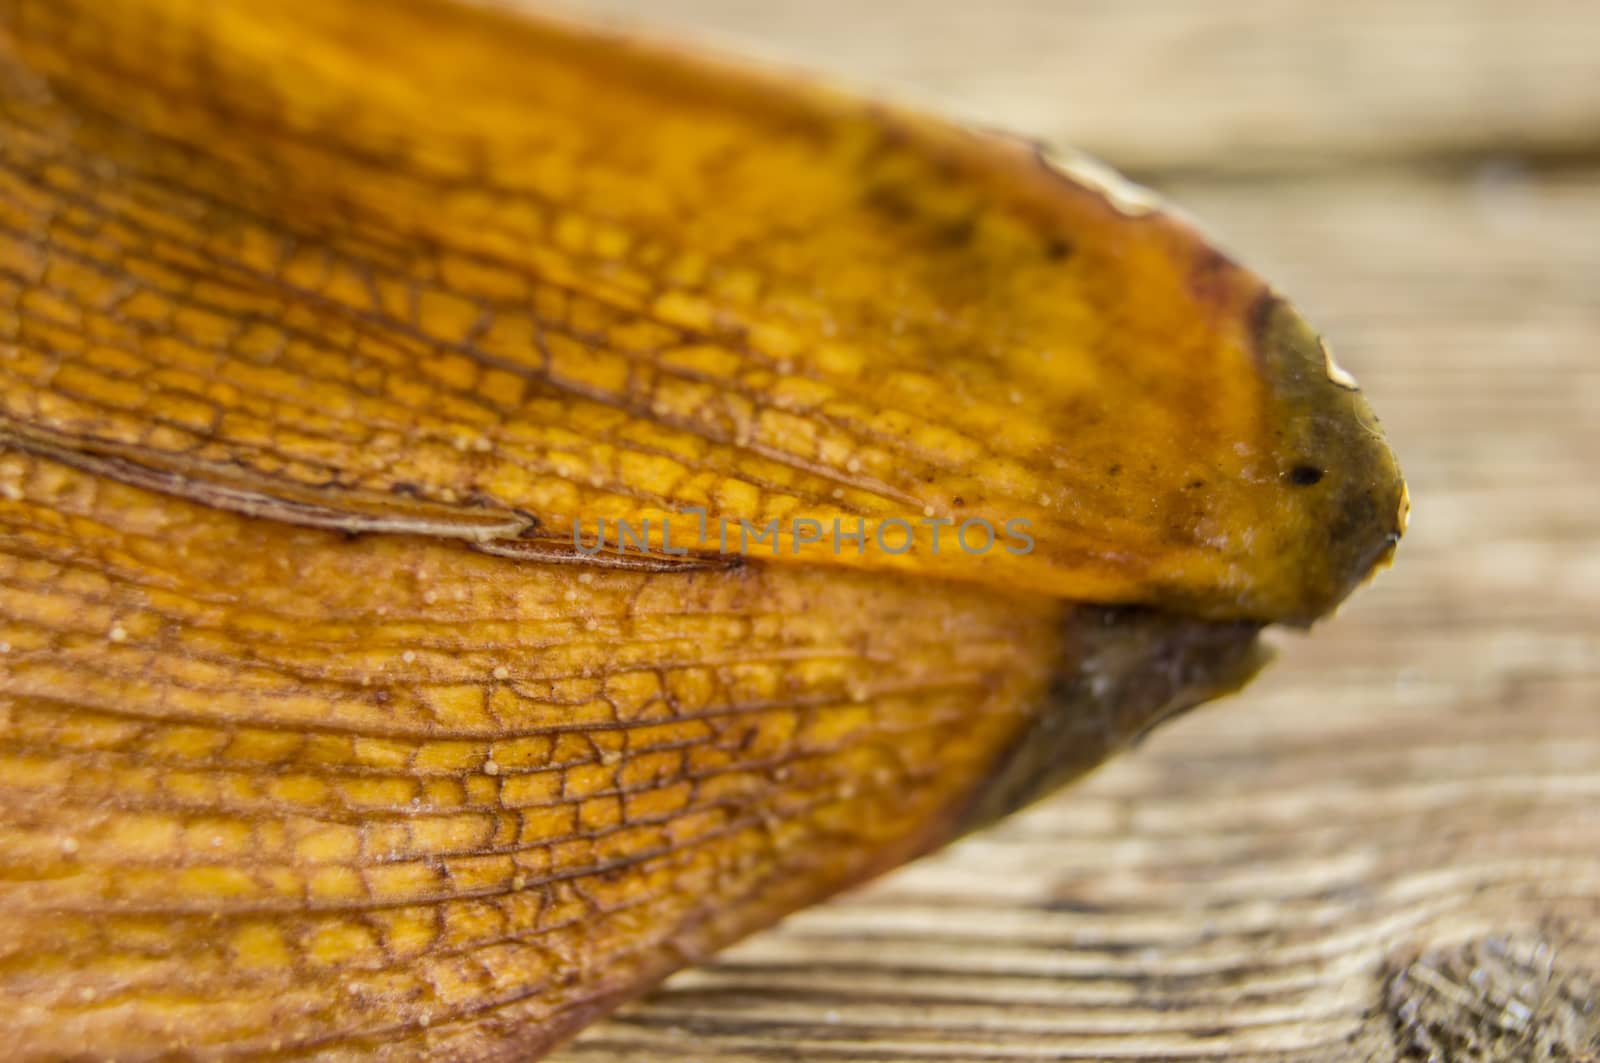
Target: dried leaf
x: 268, y: 786
x: 322, y: 329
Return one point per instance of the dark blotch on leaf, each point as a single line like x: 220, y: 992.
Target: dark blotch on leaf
x: 1305, y: 475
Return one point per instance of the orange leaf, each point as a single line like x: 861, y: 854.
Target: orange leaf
x: 331, y: 338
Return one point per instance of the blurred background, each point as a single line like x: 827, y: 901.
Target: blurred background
x: 1389, y: 847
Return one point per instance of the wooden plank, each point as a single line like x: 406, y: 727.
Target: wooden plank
x: 1315, y: 869
x: 1173, y: 84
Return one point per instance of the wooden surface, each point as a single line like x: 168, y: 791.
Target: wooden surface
x: 1389, y: 847
x: 1240, y: 85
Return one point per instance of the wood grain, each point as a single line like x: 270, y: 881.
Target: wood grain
x: 1247, y: 85
x: 1389, y: 847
